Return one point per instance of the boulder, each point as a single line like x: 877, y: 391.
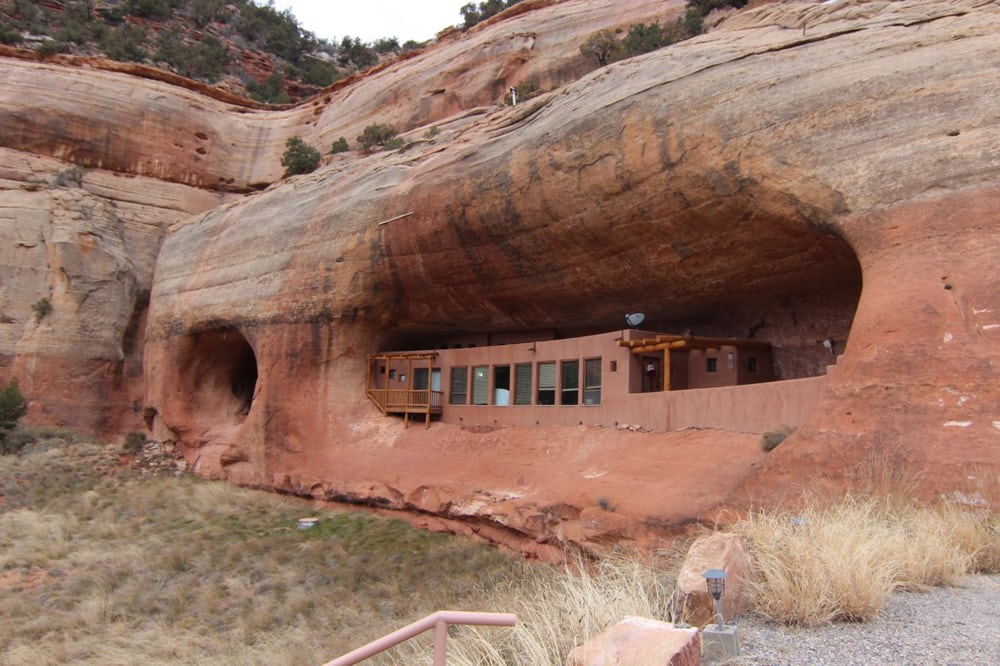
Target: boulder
x: 640, y: 640
x: 723, y: 551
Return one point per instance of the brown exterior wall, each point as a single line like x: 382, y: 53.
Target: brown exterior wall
x: 625, y: 399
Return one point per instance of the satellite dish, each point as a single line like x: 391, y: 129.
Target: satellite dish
x: 635, y: 319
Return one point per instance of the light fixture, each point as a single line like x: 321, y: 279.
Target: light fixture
x: 719, y: 642
x: 635, y: 318
x: 716, y: 581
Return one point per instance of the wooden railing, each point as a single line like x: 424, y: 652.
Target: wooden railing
x: 406, y: 400
x: 438, y: 621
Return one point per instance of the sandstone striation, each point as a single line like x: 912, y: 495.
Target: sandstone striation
x: 804, y: 171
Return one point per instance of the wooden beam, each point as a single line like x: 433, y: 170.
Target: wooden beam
x: 666, y: 369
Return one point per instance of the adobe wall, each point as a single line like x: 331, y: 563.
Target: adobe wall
x: 754, y: 408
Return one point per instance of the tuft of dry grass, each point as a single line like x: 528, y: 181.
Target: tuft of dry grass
x: 842, y: 559
x: 558, y: 609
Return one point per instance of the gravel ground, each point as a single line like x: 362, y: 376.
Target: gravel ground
x: 958, y: 626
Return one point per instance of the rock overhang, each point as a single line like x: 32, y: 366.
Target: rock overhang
x: 736, y: 180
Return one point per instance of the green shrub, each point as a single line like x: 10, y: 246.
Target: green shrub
x: 352, y: 51
x: 126, y: 42
x: 317, y: 72
x: 41, y: 308
x: 770, y: 440
x: 378, y: 135
x: 74, y: 26
x: 204, y: 12
x: 71, y: 177
x: 9, y: 35
x: 643, y: 38
x: 386, y: 45
x: 473, y: 13
x: 299, y: 157
x: 30, y: 17
x: 603, y: 46
x: 691, y: 23
x: 134, y: 442
x: 50, y: 48
x: 339, y: 146
x: 272, y: 91
x: 12, y: 407
x: 156, y: 10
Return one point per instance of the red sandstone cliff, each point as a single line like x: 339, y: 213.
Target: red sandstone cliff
x: 806, y: 170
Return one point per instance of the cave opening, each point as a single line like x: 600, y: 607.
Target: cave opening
x: 219, y: 371
x: 795, y: 287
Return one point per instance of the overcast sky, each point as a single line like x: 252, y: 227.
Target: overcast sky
x: 418, y: 20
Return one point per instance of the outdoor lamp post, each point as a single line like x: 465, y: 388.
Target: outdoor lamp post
x: 721, y: 641
x: 716, y: 580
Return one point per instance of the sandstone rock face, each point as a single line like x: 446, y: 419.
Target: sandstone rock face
x: 803, y: 171
x: 85, y: 242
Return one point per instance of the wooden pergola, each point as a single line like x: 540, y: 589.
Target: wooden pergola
x: 406, y: 400
x: 667, y: 343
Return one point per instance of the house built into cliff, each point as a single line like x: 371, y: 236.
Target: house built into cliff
x: 644, y: 379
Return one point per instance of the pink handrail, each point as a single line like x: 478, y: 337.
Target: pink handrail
x: 438, y: 621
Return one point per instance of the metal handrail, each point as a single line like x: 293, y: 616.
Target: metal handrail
x: 438, y: 621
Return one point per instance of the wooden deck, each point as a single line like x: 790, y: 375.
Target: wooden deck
x: 405, y: 401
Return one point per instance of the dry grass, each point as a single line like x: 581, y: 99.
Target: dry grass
x: 558, y: 609
x: 842, y: 560
x: 99, y: 567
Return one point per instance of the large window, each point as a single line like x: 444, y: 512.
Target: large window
x: 547, y: 383
x: 459, y: 386
x: 522, y: 384
x: 570, y: 383
x: 592, y: 381
x: 480, y: 385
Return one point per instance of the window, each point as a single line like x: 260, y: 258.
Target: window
x: 752, y: 364
x: 522, y: 384
x: 459, y: 386
x: 501, y: 385
x: 570, y: 383
x: 592, y: 381
x: 480, y: 385
x: 421, y: 379
x: 712, y: 365
x: 547, y: 383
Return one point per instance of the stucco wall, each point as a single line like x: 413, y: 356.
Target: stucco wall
x: 747, y: 408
